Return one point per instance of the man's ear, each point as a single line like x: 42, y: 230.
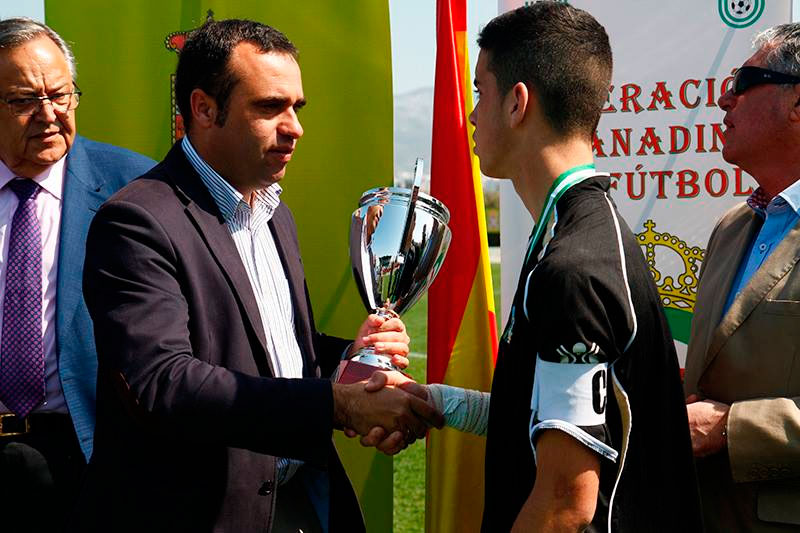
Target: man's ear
x: 794, y: 112
x: 518, y: 100
x: 204, y: 108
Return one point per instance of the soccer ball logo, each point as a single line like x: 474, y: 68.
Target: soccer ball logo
x: 740, y: 13
x: 740, y: 8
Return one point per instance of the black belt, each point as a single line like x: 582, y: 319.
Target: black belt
x: 13, y: 426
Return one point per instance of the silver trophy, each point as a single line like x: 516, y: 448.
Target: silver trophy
x: 398, y: 241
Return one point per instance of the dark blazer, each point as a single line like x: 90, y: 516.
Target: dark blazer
x: 94, y: 172
x: 190, y: 418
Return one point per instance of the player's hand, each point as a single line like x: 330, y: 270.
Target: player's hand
x: 393, y: 442
x: 390, y: 408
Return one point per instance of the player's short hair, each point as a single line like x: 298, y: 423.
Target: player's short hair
x: 560, y: 52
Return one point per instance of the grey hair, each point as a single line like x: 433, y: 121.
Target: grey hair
x: 17, y: 31
x: 782, y: 46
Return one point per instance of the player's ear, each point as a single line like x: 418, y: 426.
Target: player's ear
x: 517, y: 101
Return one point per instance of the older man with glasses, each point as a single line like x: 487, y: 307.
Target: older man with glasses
x: 51, y: 183
x: 743, y: 364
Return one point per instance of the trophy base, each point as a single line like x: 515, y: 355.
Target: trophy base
x: 368, y: 357
x: 350, y: 371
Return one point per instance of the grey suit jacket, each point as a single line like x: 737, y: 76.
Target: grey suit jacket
x: 750, y: 358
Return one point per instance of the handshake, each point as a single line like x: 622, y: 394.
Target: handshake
x: 389, y: 411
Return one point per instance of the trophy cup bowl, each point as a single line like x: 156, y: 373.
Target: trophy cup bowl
x: 398, y: 242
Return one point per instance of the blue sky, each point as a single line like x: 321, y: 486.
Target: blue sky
x: 414, y: 39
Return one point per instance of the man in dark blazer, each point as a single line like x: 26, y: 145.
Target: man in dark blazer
x: 47, y: 400
x: 214, y: 412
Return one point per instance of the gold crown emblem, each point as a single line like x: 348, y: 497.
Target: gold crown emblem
x: 679, y: 292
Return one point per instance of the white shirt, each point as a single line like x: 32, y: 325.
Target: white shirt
x: 48, y: 211
x: 249, y: 228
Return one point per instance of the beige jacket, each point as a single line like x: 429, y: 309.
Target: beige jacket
x: 750, y: 358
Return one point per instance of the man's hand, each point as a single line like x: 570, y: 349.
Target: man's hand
x: 390, y: 443
x: 387, y: 336
x: 390, y: 408
x: 707, y: 421
x: 382, y: 378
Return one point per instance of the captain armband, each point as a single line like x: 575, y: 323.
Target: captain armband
x: 570, y: 397
x: 463, y: 409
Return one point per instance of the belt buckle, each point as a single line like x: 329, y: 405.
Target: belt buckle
x: 12, y: 416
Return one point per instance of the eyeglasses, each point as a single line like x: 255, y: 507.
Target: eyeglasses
x: 61, y: 102
x: 747, y: 77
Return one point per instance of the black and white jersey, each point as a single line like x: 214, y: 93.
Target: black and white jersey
x: 587, y: 351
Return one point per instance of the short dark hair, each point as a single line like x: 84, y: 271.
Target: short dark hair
x: 204, y: 60
x: 561, y: 52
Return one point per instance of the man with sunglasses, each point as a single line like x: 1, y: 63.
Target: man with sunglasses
x: 51, y: 183
x: 743, y: 369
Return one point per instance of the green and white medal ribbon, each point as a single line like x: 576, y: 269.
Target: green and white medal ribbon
x: 560, y: 186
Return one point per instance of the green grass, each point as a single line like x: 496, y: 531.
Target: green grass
x: 416, y: 320
x: 409, y: 465
x: 409, y: 474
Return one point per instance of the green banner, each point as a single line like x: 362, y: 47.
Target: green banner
x: 126, y: 54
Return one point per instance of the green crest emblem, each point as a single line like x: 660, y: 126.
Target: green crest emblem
x: 740, y: 13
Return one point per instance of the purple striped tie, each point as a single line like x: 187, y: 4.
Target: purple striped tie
x: 21, y: 346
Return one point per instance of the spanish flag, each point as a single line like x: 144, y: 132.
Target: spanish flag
x: 462, y: 332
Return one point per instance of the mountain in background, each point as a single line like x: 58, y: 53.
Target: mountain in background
x: 413, y: 122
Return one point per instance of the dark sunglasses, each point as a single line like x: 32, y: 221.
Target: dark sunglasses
x: 747, y: 77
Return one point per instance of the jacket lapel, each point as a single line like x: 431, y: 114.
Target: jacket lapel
x: 281, y: 226
x: 776, y: 266
x: 203, y: 211
x: 83, y: 193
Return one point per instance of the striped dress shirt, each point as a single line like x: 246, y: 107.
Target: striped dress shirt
x: 249, y: 228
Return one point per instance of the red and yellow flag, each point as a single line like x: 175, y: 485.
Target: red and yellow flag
x: 462, y: 332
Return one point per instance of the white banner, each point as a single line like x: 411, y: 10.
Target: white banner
x: 661, y: 135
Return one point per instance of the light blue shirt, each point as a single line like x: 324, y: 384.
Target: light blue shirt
x: 780, y: 216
